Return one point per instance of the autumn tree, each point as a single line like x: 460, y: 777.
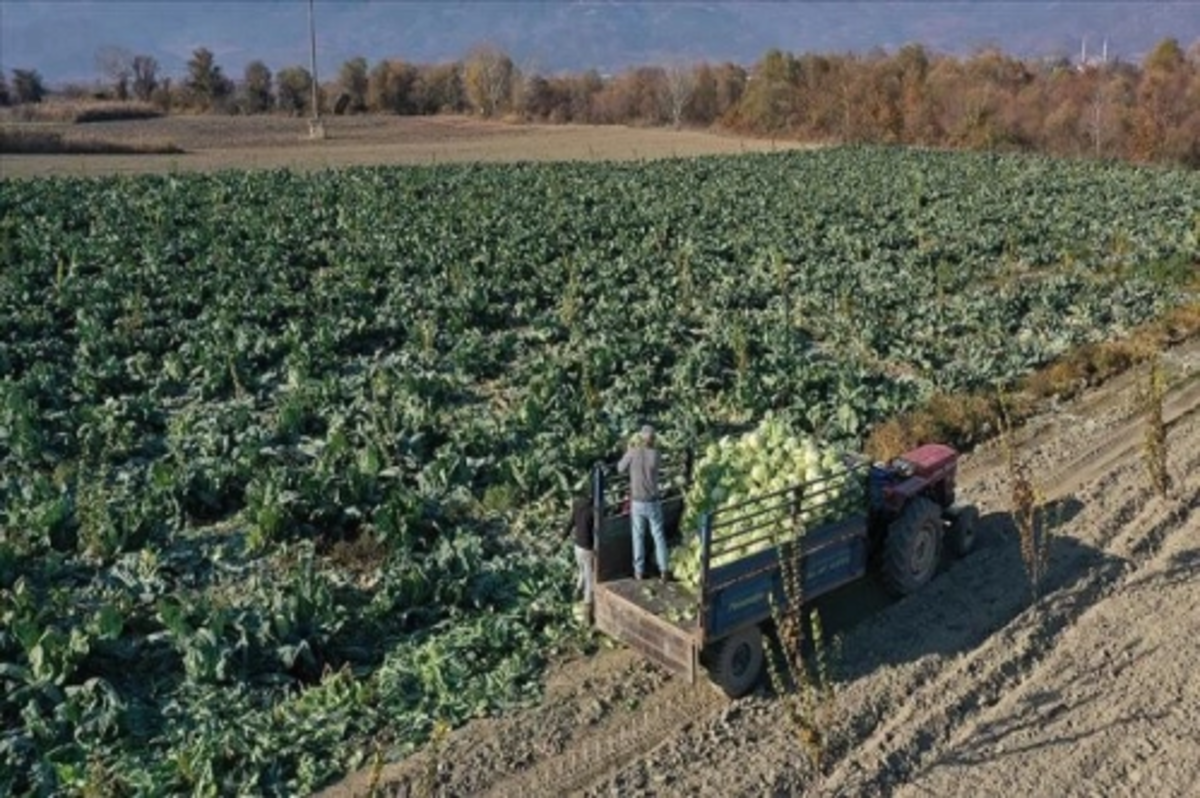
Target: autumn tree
x: 354, y: 82
x: 770, y: 101
x: 439, y: 89
x: 1183, y: 139
x: 731, y: 85
x: 293, y: 90
x: 256, y: 94
x: 391, y: 88
x: 145, y: 77
x: 488, y: 75
x: 1160, y: 99
x: 582, y: 91
x: 539, y: 99
x: 702, y: 104
x: 206, y: 83
x: 636, y: 95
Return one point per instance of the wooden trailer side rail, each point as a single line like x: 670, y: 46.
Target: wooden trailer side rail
x: 656, y: 638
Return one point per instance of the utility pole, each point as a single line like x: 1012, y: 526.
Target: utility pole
x: 316, y: 128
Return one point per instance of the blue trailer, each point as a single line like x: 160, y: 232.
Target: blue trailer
x: 908, y: 513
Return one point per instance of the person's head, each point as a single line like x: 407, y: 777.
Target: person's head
x: 647, y: 434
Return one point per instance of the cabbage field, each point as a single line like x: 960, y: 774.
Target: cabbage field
x: 283, y: 457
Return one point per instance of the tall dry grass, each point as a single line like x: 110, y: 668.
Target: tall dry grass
x: 64, y: 111
x: 44, y: 142
x: 1154, y: 447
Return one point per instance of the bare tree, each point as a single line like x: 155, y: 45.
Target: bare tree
x: 116, y: 64
x: 488, y: 74
x: 145, y: 77
x: 256, y: 88
x: 27, y: 86
x: 681, y: 82
x: 5, y: 95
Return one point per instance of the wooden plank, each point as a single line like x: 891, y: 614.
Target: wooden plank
x: 655, y: 638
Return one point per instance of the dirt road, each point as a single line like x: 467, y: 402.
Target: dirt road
x: 966, y: 688
x: 212, y: 143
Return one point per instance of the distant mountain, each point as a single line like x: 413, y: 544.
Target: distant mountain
x: 60, y: 38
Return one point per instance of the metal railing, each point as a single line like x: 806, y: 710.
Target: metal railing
x: 772, y: 518
x: 610, y: 488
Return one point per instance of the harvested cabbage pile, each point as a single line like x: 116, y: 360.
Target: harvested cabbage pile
x: 766, y: 460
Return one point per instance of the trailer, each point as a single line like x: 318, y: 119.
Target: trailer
x: 908, y: 515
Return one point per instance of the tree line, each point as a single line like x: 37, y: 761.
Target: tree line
x: 989, y: 100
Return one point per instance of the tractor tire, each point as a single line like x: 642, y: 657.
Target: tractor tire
x: 964, y: 520
x: 736, y: 663
x: 912, y: 548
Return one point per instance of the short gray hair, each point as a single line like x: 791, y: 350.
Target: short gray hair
x: 647, y: 433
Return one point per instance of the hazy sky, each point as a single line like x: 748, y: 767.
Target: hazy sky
x: 61, y: 39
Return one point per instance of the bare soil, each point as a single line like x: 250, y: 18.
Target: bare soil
x: 213, y: 143
x: 967, y: 687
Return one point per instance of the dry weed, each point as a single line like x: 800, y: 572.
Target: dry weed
x: 1154, y: 448
x: 1028, y: 511
x: 807, y: 692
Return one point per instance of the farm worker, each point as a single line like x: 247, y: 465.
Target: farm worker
x: 582, y: 524
x: 641, y: 460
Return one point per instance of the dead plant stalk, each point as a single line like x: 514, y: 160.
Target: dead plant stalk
x: 807, y: 693
x: 1028, y: 509
x: 1154, y: 449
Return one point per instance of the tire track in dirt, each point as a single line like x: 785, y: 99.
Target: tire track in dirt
x: 931, y: 721
x: 667, y: 712
x: 1109, y: 696
x: 1121, y: 444
x: 1096, y: 451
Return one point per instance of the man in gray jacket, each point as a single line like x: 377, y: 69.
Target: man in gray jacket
x: 641, y: 460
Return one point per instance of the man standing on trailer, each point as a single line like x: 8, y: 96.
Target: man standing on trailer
x: 642, y: 460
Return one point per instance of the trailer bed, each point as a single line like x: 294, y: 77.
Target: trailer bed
x: 652, y: 617
x: 674, y: 602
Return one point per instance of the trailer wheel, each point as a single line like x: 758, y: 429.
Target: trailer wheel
x: 963, y: 522
x: 736, y: 662
x: 910, y: 552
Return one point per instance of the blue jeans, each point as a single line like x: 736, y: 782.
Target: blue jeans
x: 641, y: 512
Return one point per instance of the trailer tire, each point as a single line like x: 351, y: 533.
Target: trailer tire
x: 963, y: 522
x: 910, y: 552
x: 736, y: 663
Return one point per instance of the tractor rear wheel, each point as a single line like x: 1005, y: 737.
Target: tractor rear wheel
x: 910, y: 552
x: 736, y: 663
x: 961, y: 535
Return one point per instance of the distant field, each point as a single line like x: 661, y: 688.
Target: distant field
x: 213, y: 143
